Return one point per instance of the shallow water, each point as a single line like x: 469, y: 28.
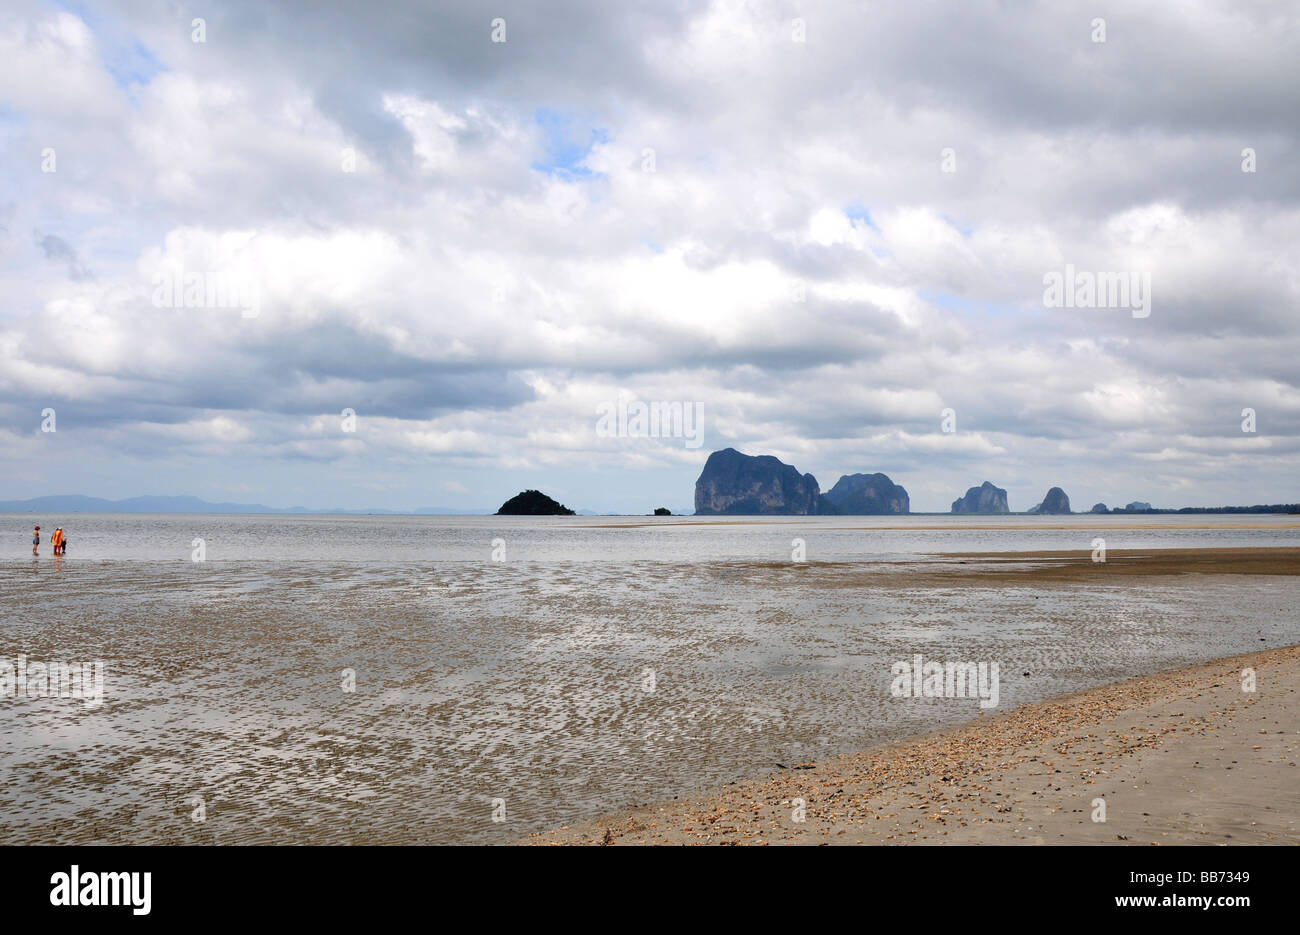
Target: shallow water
x: 525, y: 679
x: 381, y: 539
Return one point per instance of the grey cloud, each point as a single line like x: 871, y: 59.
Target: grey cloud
x: 1056, y: 138
x: 59, y: 250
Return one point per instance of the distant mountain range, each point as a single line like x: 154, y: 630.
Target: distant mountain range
x: 76, y: 503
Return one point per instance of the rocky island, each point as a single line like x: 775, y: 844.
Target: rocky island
x: 533, y: 503
x: 1056, y: 503
x: 982, y: 499
x: 865, y: 495
x: 737, y: 483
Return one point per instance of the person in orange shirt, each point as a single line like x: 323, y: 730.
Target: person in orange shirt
x: 56, y: 540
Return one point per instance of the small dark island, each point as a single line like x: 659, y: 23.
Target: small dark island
x: 663, y: 511
x: 533, y: 503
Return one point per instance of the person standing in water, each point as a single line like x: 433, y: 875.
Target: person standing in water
x: 36, y: 540
x: 56, y: 540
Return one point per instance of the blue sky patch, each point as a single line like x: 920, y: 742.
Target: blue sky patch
x: 126, y: 58
x: 568, y: 140
x: 858, y: 212
x: 964, y: 231
x: 959, y: 303
x: 132, y: 65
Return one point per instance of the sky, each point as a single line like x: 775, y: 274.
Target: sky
x: 402, y: 255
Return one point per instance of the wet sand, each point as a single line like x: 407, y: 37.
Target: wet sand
x: 526, y: 681
x: 1030, y: 569
x: 1078, y: 567
x: 1180, y: 757
x: 917, y: 527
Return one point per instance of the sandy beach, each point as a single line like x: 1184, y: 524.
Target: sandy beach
x: 1180, y: 757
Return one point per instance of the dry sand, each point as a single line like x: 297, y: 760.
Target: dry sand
x: 1181, y: 757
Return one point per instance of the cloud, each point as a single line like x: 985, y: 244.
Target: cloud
x: 471, y: 244
x: 58, y: 249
